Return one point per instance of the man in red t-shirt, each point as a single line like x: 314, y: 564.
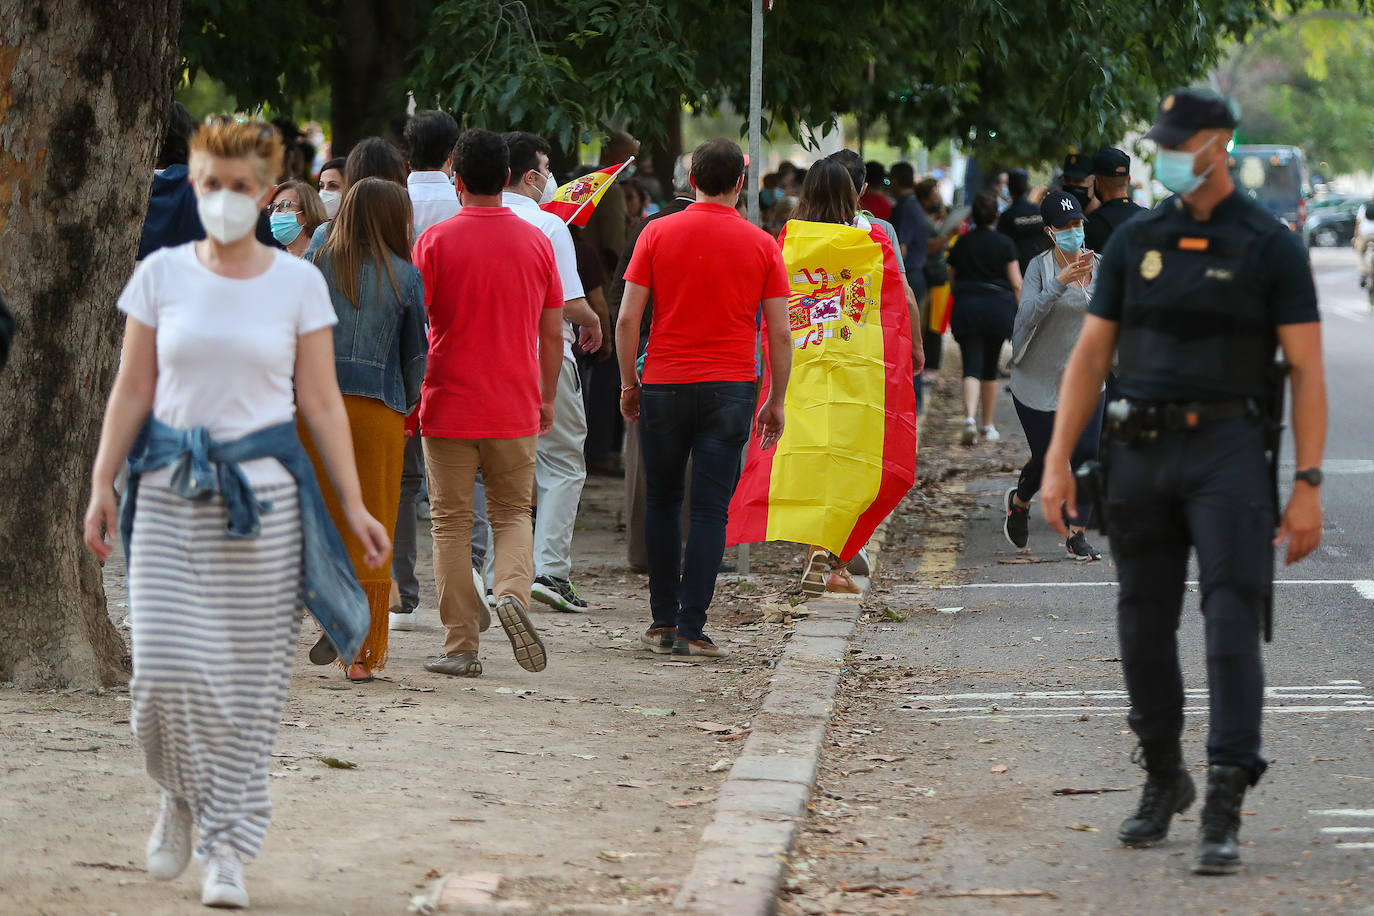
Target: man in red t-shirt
x: 709, y: 271
x: 495, y: 307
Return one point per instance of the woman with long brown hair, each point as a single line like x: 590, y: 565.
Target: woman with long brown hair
x: 379, y: 357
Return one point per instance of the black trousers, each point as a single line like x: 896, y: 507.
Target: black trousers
x: 1210, y: 490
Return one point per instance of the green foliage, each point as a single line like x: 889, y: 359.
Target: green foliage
x: 560, y: 69
x: 1012, y: 81
x: 1310, y: 82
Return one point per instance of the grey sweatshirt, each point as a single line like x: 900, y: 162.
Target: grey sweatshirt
x: 1048, y: 321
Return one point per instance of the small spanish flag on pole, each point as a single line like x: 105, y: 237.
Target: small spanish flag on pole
x: 574, y: 202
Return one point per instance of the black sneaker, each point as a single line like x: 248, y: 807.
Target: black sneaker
x: 1016, y: 526
x: 1079, y: 549
x: 558, y: 594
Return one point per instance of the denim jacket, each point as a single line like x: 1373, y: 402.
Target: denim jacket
x: 201, y: 467
x: 379, y: 347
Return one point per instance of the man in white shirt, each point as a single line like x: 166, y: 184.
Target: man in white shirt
x: 429, y: 140
x: 560, y: 467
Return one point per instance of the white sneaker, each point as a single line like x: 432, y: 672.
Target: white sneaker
x: 402, y: 620
x: 169, y: 847
x: 223, y: 885
x: 859, y: 566
x: 990, y: 434
x: 970, y: 434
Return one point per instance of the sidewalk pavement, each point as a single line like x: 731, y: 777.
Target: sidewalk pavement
x: 596, y: 786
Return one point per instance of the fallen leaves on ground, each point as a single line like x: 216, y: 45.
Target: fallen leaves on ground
x: 335, y: 763
x: 1000, y: 768
x: 1084, y: 828
x: 1086, y: 791
x: 1000, y: 892
x: 713, y: 727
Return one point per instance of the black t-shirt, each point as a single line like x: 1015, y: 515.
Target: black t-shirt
x: 981, y: 256
x: 1284, y: 276
x: 1106, y: 219
x: 1022, y: 223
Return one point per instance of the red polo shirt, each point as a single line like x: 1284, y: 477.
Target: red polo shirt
x: 707, y: 268
x: 489, y: 276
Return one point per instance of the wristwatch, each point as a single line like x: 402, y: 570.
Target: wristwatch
x: 1310, y: 476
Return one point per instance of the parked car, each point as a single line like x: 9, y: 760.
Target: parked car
x: 1332, y: 222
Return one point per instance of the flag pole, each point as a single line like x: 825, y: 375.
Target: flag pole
x: 755, y: 156
x: 755, y: 109
x: 611, y: 181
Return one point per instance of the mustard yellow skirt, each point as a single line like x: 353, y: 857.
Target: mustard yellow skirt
x: 379, y: 451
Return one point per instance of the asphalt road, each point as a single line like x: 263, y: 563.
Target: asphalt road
x: 958, y: 724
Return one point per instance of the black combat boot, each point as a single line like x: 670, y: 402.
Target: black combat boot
x: 1218, y: 849
x: 1169, y: 790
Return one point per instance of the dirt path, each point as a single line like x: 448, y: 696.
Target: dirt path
x: 575, y: 783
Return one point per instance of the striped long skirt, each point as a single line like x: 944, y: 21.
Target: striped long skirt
x: 215, y: 623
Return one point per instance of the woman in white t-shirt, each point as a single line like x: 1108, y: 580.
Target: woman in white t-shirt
x: 224, y: 338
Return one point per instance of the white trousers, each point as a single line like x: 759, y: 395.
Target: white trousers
x: 560, y: 469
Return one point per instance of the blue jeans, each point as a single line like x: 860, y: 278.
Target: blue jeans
x: 708, y: 422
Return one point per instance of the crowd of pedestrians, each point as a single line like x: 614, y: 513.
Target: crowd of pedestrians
x: 309, y: 361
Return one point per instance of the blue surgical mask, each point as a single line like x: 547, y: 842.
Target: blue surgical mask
x: 1174, y: 169
x: 1069, y: 240
x: 285, y: 227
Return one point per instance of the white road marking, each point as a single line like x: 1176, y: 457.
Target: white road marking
x: 1343, y: 812
x: 1364, y: 587
x: 1350, y: 696
x: 1355, y: 845
x: 1348, y: 830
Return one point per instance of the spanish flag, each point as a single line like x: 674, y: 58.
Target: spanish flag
x: 848, y: 451
x: 574, y: 202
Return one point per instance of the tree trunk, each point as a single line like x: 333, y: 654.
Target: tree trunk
x: 665, y: 152
x: 84, y: 91
x: 373, y: 41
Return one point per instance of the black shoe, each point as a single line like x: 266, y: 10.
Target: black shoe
x: 1169, y: 790
x: 558, y: 594
x: 1079, y: 549
x: 1218, y: 846
x: 323, y: 651
x: 1016, y: 526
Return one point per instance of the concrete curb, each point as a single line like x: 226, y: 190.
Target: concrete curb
x: 743, y: 854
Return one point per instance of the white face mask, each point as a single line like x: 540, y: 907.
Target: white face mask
x: 331, y: 200
x: 227, y: 215
x: 546, y: 196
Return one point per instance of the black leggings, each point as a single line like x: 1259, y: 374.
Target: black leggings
x: 1039, y: 426
x: 981, y: 353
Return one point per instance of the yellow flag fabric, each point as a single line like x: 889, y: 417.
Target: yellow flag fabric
x: 848, y: 452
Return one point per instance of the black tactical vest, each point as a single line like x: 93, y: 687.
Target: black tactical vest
x: 1194, y: 313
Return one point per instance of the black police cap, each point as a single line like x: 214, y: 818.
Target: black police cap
x: 1111, y: 162
x: 1077, y: 166
x: 1186, y: 111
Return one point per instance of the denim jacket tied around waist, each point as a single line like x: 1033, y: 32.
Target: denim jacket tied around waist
x: 380, y: 344
x: 202, y: 467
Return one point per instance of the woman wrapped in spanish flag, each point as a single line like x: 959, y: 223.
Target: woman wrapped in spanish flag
x: 848, y: 454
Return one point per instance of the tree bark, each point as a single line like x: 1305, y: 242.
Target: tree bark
x: 370, y: 62
x: 84, y: 90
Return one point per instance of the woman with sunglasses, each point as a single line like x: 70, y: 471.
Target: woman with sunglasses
x: 294, y: 214
x: 223, y: 523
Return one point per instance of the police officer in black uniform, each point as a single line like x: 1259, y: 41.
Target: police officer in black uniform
x: 1078, y: 180
x: 1196, y: 295
x: 1022, y: 221
x: 1112, y: 187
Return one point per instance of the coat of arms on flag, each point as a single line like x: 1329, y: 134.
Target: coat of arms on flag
x: 574, y: 202
x: 848, y: 452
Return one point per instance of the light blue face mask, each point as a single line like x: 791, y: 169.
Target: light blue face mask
x: 1069, y: 240
x: 285, y: 227
x: 1174, y: 169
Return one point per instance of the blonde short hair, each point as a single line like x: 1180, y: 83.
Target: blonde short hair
x: 228, y: 138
